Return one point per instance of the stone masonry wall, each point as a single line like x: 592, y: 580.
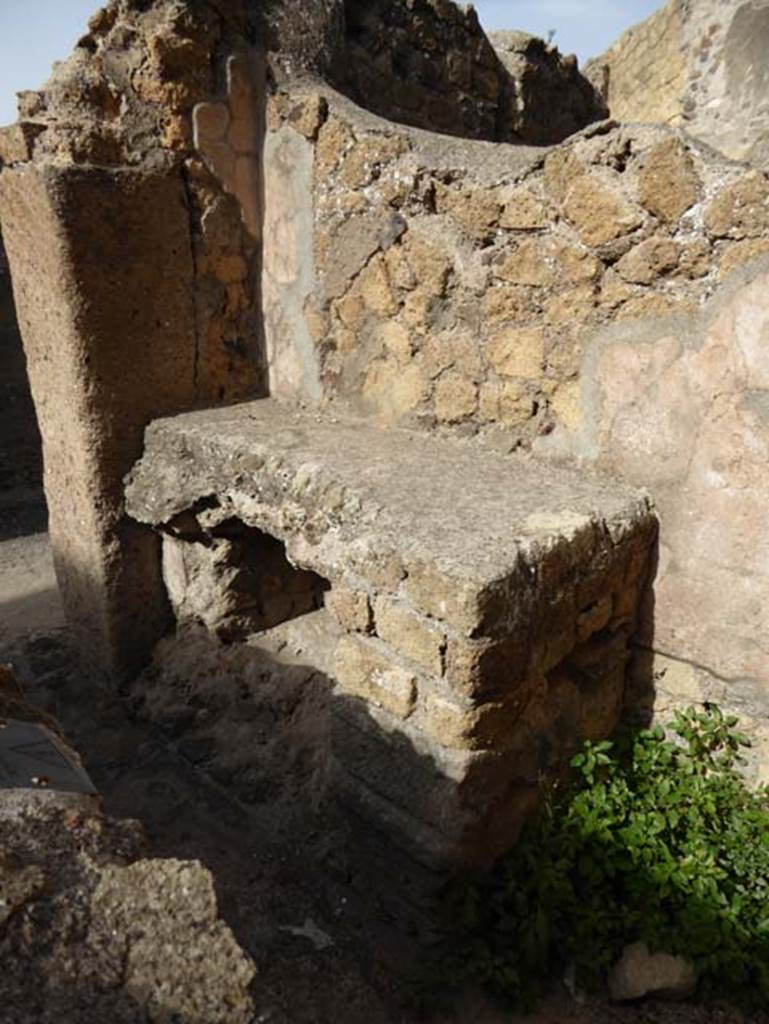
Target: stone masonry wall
x: 458, y: 286
x: 175, y: 202
x: 132, y: 198
x: 136, y: 276
x: 680, y: 404
x: 428, y: 63
x: 551, y: 98
x: 697, y: 65
x: 563, y: 301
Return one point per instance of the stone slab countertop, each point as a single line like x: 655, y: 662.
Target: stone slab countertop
x: 385, y: 505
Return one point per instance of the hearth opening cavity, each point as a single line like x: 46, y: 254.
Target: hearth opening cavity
x: 237, y: 581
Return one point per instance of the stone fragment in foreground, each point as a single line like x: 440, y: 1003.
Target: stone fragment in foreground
x: 640, y: 973
x: 89, y: 930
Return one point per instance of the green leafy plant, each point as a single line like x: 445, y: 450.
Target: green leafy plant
x: 655, y: 838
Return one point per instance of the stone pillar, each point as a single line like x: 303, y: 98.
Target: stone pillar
x: 102, y: 269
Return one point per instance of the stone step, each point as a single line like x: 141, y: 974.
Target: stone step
x: 482, y: 604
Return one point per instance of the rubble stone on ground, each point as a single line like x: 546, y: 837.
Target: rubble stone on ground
x: 639, y: 973
x: 91, y: 931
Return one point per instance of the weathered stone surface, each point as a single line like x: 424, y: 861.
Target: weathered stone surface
x: 552, y: 99
x: 440, y: 282
x: 742, y: 252
x: 505, y: 303
x: 393, y: 507
x: 363, y: 161
x: 91, y: 931
x: 409, y: 633
x: 438, y: 91
x: 698, y: 66
x: 598, y: 210
x: 101, y: 264
x: 452, y: 275
x: 467, y: 727
x: 287, y: 272
x: 650, y: 259
x: 351, y: 608
x: 652, y: 417
x: 237, y: 583
x: 364, y: 669
x: 486, y: 668
x: 530, y: 263
x: 394, y: 390
x: 741, y: 210
x: 456, y: 397
x: 464, y: 622
x: 640, y: 973
x: 518, y: 352
x: 114, y: 164
x: 649, y: 52
x: 668, y: 181
x: 524, y: 211
x: 439, y: 71
x: 17, y: 142
x: 18, y: 886
x: 227, y: 136
x: 165, y: 912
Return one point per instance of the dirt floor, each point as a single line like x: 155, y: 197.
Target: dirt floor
x: 309, y: 941
x: 228, y: 772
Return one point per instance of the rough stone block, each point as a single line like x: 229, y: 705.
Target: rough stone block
x: 524, y: 211
x: 410, y: 633
x: 594, y: 618
x: 483, y: 668
x: 649, y: 260
x: 598, y: 209
x: 741, y: 209
x: 17, y: 141
x: 456, y: 397
x: 351, y: 608
x: 101, y: 261
x: 479, y: 559
x: 363, y: 669
x: 518, y: 352
x: 529, y: 264
x: 465, y: 726
x: 668, y: 182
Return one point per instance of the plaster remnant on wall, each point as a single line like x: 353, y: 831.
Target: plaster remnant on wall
x: 228, y: 135
x: 288, y: 276
x: 673, y: 404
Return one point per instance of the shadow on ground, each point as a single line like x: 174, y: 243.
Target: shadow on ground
x: 22, y: 503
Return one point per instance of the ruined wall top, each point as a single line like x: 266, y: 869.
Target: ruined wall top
x: 428, y: 63
x: 700, y: 66
x: 125, y: 95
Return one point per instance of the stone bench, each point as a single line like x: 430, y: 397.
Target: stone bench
x: 479, y: 605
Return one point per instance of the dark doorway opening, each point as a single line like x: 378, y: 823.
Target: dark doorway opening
x: 22, y: 501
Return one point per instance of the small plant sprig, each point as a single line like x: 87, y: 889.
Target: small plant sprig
x: 657, y: 838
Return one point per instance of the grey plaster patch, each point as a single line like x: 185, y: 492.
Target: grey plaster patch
x: 355, y: 242
x: 289, y: 267
x: 757, y: 402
